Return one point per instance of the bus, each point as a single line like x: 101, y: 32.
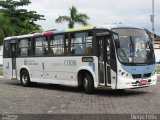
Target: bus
x: 89, y: 57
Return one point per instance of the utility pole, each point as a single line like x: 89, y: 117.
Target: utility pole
x: 152, y: 20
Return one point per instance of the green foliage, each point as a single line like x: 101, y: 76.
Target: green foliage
x: 74, y: 18
x: 5, y: 27
x: 1, y: 73
x: 17, y: 21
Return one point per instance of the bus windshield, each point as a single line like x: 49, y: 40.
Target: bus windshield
x: 134, y: 46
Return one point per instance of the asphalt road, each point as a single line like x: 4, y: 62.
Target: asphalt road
x: 58, y: 100
x: 55, y: 99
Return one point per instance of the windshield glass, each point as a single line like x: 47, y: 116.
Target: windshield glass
x: 134, y: 46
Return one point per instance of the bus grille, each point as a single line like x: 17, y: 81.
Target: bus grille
x: 140, y: 75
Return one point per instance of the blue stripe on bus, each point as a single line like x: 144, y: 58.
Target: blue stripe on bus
x: 92, y: 64
x: 139, y: 69
x: 56, y: 32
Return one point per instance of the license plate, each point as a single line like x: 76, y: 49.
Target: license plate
x: 143, y: 82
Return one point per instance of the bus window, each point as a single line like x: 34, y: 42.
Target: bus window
x: 81, y: 43
x: 41, y: 46
x: 77, y: 43
x: 66, y: 45
x: 7, y: 49
x: 24, y: 47
x: 89, y: 49
x: 57, y: 45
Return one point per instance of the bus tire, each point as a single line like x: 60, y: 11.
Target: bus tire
x: 88, y: 84
x: 120, y: 90
x: 25, y: 79
x: 80, y: 82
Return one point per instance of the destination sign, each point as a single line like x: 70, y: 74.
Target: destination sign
x: 87, y: 59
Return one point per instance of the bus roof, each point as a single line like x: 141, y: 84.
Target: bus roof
x: 111, y: 26
x: 50, y: 33
x: 22, y: 36
x: 68, y: 30
x: 79, y: 29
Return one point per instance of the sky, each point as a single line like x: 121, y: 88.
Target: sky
x: 128, y: 12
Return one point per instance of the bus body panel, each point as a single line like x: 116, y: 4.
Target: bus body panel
x: 7, y: 68
x: 93, y: 69
x: 57, y: 70
x: 113, y: 79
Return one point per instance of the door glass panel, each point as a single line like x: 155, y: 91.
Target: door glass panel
x: 101, y: 49
x: 101, y: 60
x: 108, y: 47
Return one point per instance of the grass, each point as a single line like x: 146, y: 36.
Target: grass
x: 1, y: 73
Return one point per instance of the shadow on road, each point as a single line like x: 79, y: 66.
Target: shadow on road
x: 100, y: 92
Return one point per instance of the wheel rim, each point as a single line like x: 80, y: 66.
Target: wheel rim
x: 24, y: 79
x: 85, y: 83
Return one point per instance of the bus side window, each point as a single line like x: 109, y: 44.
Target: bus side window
x: 23, y: 49
x: 81, y: 43
x: 7, y: 49
x: 66, y: 45
x: 57, y: 45
x: 77, y: 42
x: 89, y: 48
x: 45, y: 46
x: 41, y: 46
x: 52, y: 45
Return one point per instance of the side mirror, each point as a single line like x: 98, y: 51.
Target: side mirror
x: 153, y: 35
x: 116, y: 39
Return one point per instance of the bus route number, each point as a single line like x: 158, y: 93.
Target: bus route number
x: 70, y: 63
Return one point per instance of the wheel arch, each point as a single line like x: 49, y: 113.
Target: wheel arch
x: 81, y: 72
x: 24, y: 68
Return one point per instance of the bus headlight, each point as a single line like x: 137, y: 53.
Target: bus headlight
x: 124, y: 74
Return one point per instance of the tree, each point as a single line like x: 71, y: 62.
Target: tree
x: 15, y: 20
x: 5, y: 27
x: 74, y: 18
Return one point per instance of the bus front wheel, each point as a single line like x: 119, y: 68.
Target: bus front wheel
x: 25, y: 79
x: 88, y: 84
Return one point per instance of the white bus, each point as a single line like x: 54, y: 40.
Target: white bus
x: 88, y: 57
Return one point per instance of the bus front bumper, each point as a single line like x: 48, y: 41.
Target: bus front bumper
x: 126, y: 83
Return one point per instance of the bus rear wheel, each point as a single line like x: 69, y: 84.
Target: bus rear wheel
x: 88, y: 84
x: 25, y: 79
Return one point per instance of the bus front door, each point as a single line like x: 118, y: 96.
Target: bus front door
x: 13, y: 60
x: 104, y: 60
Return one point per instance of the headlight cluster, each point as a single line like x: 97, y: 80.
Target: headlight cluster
x: 124, y: 74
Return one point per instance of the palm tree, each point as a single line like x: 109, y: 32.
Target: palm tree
x: 74, y: 18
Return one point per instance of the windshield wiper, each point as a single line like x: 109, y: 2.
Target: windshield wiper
x: 131, y: 46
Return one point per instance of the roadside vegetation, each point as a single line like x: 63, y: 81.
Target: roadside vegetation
x: 14, y: 20
x: 74, y: 18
